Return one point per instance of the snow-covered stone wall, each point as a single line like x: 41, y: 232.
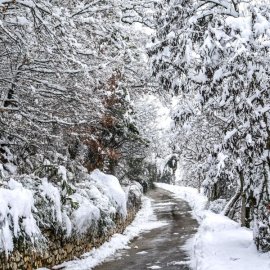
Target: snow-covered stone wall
x: 42, y: 225
x: 61, y: 249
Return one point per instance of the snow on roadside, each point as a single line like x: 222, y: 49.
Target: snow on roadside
x: 145, y: 220
x: 220, y: 243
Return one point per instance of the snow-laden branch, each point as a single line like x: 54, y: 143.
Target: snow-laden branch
x: 222, y: 7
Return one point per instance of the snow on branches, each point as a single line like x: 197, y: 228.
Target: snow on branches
x: 215, y: 56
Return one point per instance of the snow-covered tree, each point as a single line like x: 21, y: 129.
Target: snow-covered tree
x: 68, y: 73
x: 60, y: 67
x: 214, y: 55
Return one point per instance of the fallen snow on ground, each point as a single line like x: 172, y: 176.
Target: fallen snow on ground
x: 220, y: 243
x: 141, y: 252
x: 145, y: 220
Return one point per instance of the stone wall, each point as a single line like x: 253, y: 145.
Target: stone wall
x: 61, y: 249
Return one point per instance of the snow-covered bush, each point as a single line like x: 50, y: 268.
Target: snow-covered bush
x: 217, y: 206
x: 134, y: 193
x: 110, y: 187
x: 17, y: 210
x: 31, y: 205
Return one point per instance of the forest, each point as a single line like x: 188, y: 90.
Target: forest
x: 94, y: 93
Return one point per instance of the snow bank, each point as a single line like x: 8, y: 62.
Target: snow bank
x: 220, y: 243
x: 145, y: 220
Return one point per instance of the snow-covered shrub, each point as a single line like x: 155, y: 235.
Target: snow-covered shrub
x: 217, y: 206
x: 49, y: 200
x: 110, y: 186
x: 17, y: 211
x: 99, y: 198
x: 86, y: 215
x: 134, y: 193
x: 31, y: 205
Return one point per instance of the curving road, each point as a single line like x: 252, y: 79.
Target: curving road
x: 161, y: 248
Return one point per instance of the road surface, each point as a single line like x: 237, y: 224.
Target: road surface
x: 161, y: 248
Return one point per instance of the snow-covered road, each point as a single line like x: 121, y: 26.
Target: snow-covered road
x: 163, y: 247
x: 156, y: 239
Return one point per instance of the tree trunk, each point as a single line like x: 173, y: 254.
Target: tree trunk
x: 232, y: 202
x: 243, y: 200
x: 243, y: 210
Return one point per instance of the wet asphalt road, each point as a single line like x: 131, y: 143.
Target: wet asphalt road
x: 161, y: 248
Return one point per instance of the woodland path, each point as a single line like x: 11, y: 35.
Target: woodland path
x: 161, y: 248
